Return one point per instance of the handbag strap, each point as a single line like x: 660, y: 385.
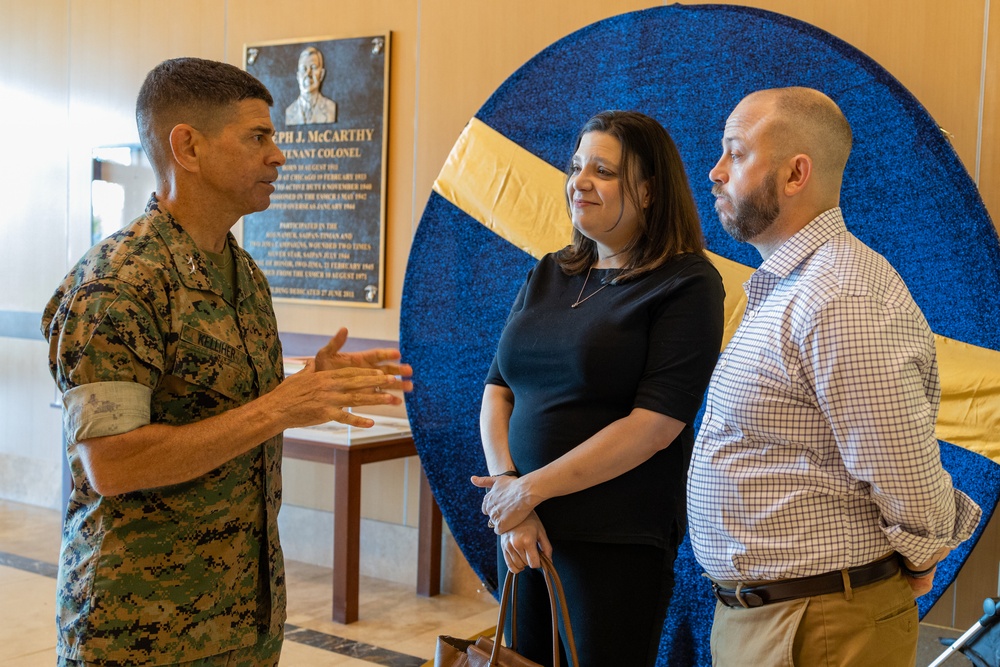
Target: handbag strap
x: 556, y: 592
x: 505, y: 597
x: 557, y: 608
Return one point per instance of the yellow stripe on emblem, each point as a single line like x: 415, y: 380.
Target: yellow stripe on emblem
x: 515, y: 194
x: 522, y: 199
x: 970, y: 396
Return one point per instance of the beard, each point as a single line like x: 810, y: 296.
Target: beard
x: 752, y: 214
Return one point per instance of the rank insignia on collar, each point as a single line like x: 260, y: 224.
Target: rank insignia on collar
x: 192, y: 265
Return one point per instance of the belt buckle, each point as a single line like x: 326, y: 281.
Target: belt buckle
x: 718, y: 596
x: 749, y: 601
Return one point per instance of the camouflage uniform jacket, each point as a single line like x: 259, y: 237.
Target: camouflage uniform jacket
x: 194, y: 569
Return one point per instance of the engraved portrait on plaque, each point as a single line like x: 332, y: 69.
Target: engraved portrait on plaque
x: 311, y: 106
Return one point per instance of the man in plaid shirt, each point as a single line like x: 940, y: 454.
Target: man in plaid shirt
x: 817, y: 501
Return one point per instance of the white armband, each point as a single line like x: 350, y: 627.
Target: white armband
x: 98, y: 409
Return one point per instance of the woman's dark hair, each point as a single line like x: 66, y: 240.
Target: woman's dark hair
x: 670, y: 225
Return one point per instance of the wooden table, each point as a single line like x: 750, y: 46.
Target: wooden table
x: 347, y: 460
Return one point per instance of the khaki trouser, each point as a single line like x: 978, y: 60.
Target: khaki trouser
x: 871, y: 626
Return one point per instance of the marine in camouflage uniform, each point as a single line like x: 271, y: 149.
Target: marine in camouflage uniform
x: 140, y: 332
x: 164, y: 342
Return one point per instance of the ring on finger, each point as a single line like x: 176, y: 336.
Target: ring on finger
x: 490, y: 524
x: 378, y: 389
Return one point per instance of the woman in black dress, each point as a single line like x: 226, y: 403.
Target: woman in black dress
x: 587, y: 411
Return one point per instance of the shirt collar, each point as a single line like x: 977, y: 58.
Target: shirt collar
x: 805, y: 242
x: 193, y: 267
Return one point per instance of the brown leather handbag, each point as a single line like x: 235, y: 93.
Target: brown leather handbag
x: 484, y: 652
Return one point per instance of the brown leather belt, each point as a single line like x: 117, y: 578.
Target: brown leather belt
x: 821, y: 584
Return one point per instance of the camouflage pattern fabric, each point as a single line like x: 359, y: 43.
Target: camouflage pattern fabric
x: 265, y: 653
x: 195, y: 569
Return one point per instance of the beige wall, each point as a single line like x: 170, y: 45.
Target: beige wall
x: 70, y: 69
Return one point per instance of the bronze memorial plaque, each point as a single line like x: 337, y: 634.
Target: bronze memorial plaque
x: 322, y: 239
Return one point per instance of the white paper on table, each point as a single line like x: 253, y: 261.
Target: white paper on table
x: 341, y: 434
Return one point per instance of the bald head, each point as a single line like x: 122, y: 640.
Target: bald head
x: 783, y: 156
x: 803, y: 120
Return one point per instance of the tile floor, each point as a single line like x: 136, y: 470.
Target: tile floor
x: 397, y: 628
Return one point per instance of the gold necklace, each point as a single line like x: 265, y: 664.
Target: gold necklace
x: 578, y: 299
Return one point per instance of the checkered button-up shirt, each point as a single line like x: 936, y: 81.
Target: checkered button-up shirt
x: 817, y: 449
